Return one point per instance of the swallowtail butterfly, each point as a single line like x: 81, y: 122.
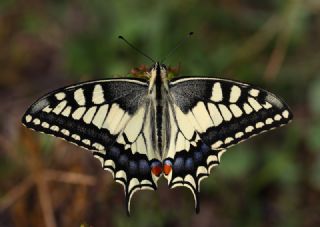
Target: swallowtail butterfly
x: 142, y: 129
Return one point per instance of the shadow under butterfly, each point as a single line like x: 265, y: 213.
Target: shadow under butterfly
x: 142, y: 129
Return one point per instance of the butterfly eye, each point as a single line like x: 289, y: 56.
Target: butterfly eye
x: 164, y: 66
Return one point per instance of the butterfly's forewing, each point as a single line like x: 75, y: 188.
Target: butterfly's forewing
x: 107, y: 117
x: 217, y: 114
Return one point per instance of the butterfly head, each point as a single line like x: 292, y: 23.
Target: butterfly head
x: 158, y: 72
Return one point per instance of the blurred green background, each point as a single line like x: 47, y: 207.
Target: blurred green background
x: 271, y: 180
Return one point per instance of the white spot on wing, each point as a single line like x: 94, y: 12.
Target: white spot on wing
x: 267, y: 105
x: 216, y: 145
x: 36, y: 121
x: 87, y: 118
x: 47, y: 109
x: 86, y: 141
x: 216, y: 92
x: 254, y: 92
x: 247, y: 108
x: 79, y: 97
x: 98, y: 146
x: 66, y: 112
x: 269, y: 121
x: 201, y: 114
x: 215, y: 114
x: 184, y: 124
x: 111, y: 115
x: 54, y: 128
x: 75, y: 136
x: 201, y: 170
x: 277, y: 117
x: 100, y: 116
x: 191, y: 180
x: 249, y: 129
x: 121, y: 174
x: 212, y: 158
x: 225, y: 112
x: 255, y: 105
x: 177, y: 179
x: 235, y: 110
x: 113, y: 118
x: 259, y: 125
x: 134, y: 125
x: 228, y: 140
x: 65, y: 132
x: 77, y: 114
x: 146, y: 182
x: 60, y: 95
x: 110, y: 162
x: 235, y: 94
x: 45, y: 125
x: 194, y: 122
x: 60, y: 107
x: 239, y: 135
x: 133, y: 182
x: 28, y: 118
x: 285, y: 114
x: 124, y: 120
x: 97, y: 95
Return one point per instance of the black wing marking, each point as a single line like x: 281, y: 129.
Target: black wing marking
x: 108, y: 118
x: 218, y: 113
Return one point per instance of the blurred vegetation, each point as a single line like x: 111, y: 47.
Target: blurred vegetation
x: 271, y: 180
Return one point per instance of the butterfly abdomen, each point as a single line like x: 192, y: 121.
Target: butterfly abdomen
x: 159, y: 111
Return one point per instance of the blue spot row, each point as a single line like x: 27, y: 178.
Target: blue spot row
x: 187, y: 162
x: 134, y: 165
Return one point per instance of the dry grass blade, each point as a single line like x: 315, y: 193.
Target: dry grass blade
x: 45, y: 201
x: 71, y: 178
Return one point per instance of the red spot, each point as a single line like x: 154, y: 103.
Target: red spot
x: 156, y: 170
x: 167, y: 168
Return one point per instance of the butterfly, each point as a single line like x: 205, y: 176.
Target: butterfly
x: 143, y: 129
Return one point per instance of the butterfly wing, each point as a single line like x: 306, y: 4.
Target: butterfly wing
x: 210, y: 115
x: 107, y: 117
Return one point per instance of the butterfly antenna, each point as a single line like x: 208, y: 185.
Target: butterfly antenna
x: 182, y: 41
x: 136, y: 49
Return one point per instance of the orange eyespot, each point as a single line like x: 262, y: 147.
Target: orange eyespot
x: 156, y: 170
x: 167, y: 168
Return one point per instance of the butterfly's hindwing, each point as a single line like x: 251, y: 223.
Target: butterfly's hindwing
x: 191, y: 159
x: 108, y: 117
x: 210, y: 115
